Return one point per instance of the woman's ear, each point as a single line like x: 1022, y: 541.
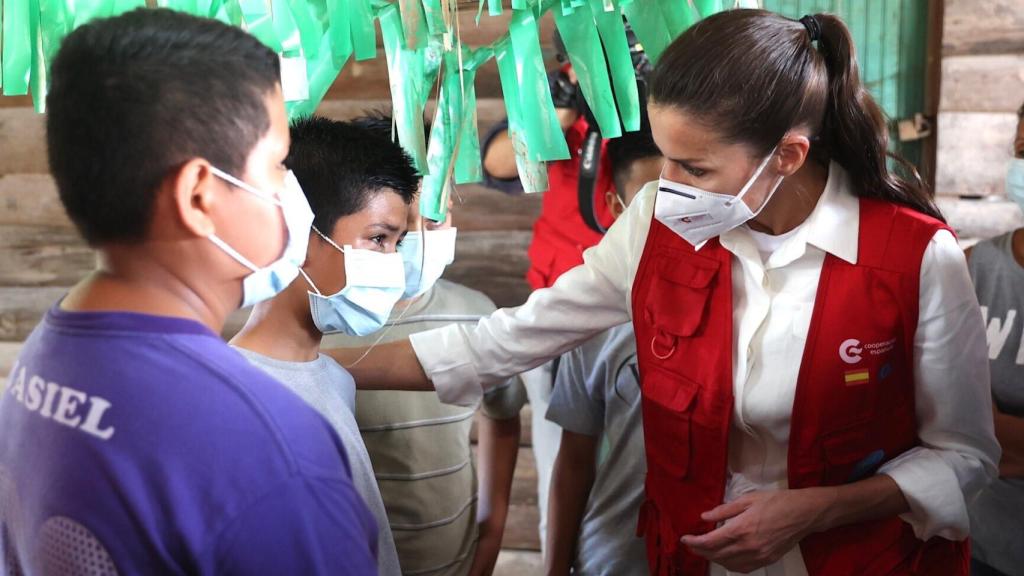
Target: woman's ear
x: 195, y: 190
x: 792, y: 153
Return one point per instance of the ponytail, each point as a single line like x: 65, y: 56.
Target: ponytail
x: 854, y: 131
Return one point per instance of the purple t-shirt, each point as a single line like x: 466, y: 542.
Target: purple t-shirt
x: 136, y: 444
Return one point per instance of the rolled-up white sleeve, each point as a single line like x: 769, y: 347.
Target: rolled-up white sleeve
x: 586, y: 300
x: 958, y: 452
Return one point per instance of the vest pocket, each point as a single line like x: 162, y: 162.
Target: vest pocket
x: 668, y: 402
x: 679, y: 297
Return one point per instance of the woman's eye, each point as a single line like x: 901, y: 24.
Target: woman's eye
x: 379, y: 239
x: 696, y: 172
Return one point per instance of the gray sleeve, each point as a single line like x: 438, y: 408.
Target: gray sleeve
x: 577, y: 404
x: 504, y: 401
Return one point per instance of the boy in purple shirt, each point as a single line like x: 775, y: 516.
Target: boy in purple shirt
x: 132, y: 439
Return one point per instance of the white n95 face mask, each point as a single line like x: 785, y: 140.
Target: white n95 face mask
x: 374, y: 283
x: 698, y: 215
x: 425, y: 255
x: 266, y: 282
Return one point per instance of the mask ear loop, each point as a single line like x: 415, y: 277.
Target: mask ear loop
x: 750, y: 183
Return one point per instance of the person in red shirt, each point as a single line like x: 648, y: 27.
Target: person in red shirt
x: 564, y: 229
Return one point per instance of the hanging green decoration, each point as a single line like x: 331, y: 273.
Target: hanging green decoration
x: 709, y: 7
x: 586, y: 55
x: 468, y: 164
x: 422, y: 43
x: 405, y: 74
x: 544, y: 136
x: 364, y: 35
x: 533, y: 173
x: 17, y: 47
x: 613, y: 36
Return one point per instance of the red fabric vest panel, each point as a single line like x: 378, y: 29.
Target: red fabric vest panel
x: 854, y: 405
x: 560, y: 235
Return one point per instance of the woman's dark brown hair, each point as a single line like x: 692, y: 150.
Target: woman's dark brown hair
x: 752, y: 75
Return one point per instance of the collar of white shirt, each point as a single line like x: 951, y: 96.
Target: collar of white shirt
x: 833, y: 226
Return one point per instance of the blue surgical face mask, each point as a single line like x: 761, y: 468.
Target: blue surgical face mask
x: 267, y: 281
x: 1015, y: 181
x: 425, y: 255
x: 374, y: 282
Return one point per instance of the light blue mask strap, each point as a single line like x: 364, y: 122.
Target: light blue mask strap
x: 233, y: 253
x: 310, y: 282
x: 238, y: 183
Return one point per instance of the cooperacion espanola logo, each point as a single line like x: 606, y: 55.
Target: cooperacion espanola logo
x: 850, y: 351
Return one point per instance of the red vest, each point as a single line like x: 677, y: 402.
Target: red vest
x: 854, y: 403
x: 560, y: 235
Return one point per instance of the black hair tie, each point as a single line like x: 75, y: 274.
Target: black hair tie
x: 813, y: 27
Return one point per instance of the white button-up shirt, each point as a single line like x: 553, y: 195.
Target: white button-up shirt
x: 772, y: 302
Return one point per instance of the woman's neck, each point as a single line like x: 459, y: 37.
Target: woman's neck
x: 794, y: 201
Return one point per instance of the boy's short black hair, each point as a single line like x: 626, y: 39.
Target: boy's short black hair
x: 340, y: 165
x: 134, y: 97
x: 627, y: 149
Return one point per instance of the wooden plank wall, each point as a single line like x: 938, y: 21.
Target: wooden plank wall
x: 982, y: 87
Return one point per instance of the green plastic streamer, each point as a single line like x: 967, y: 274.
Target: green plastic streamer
x: 186, y: 6
x: 620, y: 62
x: 339, y: 31
x: 434, y: 15
x: 709, y: 7
x: 494, y: 7
x: 431, y: 68
x: 649, y: 26
x: 587, y: 57
x: 405, y: 74
x: 364, y: 35
x: 533, y: 173
x: 444, y: 133
x: 17, y: 47
x: 310, y: 31
x: 37, y: 74
x: 286, y: 28
x: 321, y: 71
x: 543, y: 133
x: 414, y: 23
x: 259, y: 23
x: 468, y: 165
x: 679, y: 15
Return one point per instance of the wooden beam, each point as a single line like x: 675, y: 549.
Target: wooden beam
x: 494, y: 263
x: 990, y: 27
x: 30, y: 200
x: 23, y: 132
x: 974, y: 153
x: 986, y: 83
x: 22, y: 141
x: 42, y: 256
x: 21, y: 308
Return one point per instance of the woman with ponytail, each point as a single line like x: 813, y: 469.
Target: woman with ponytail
x: 812, y: 356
